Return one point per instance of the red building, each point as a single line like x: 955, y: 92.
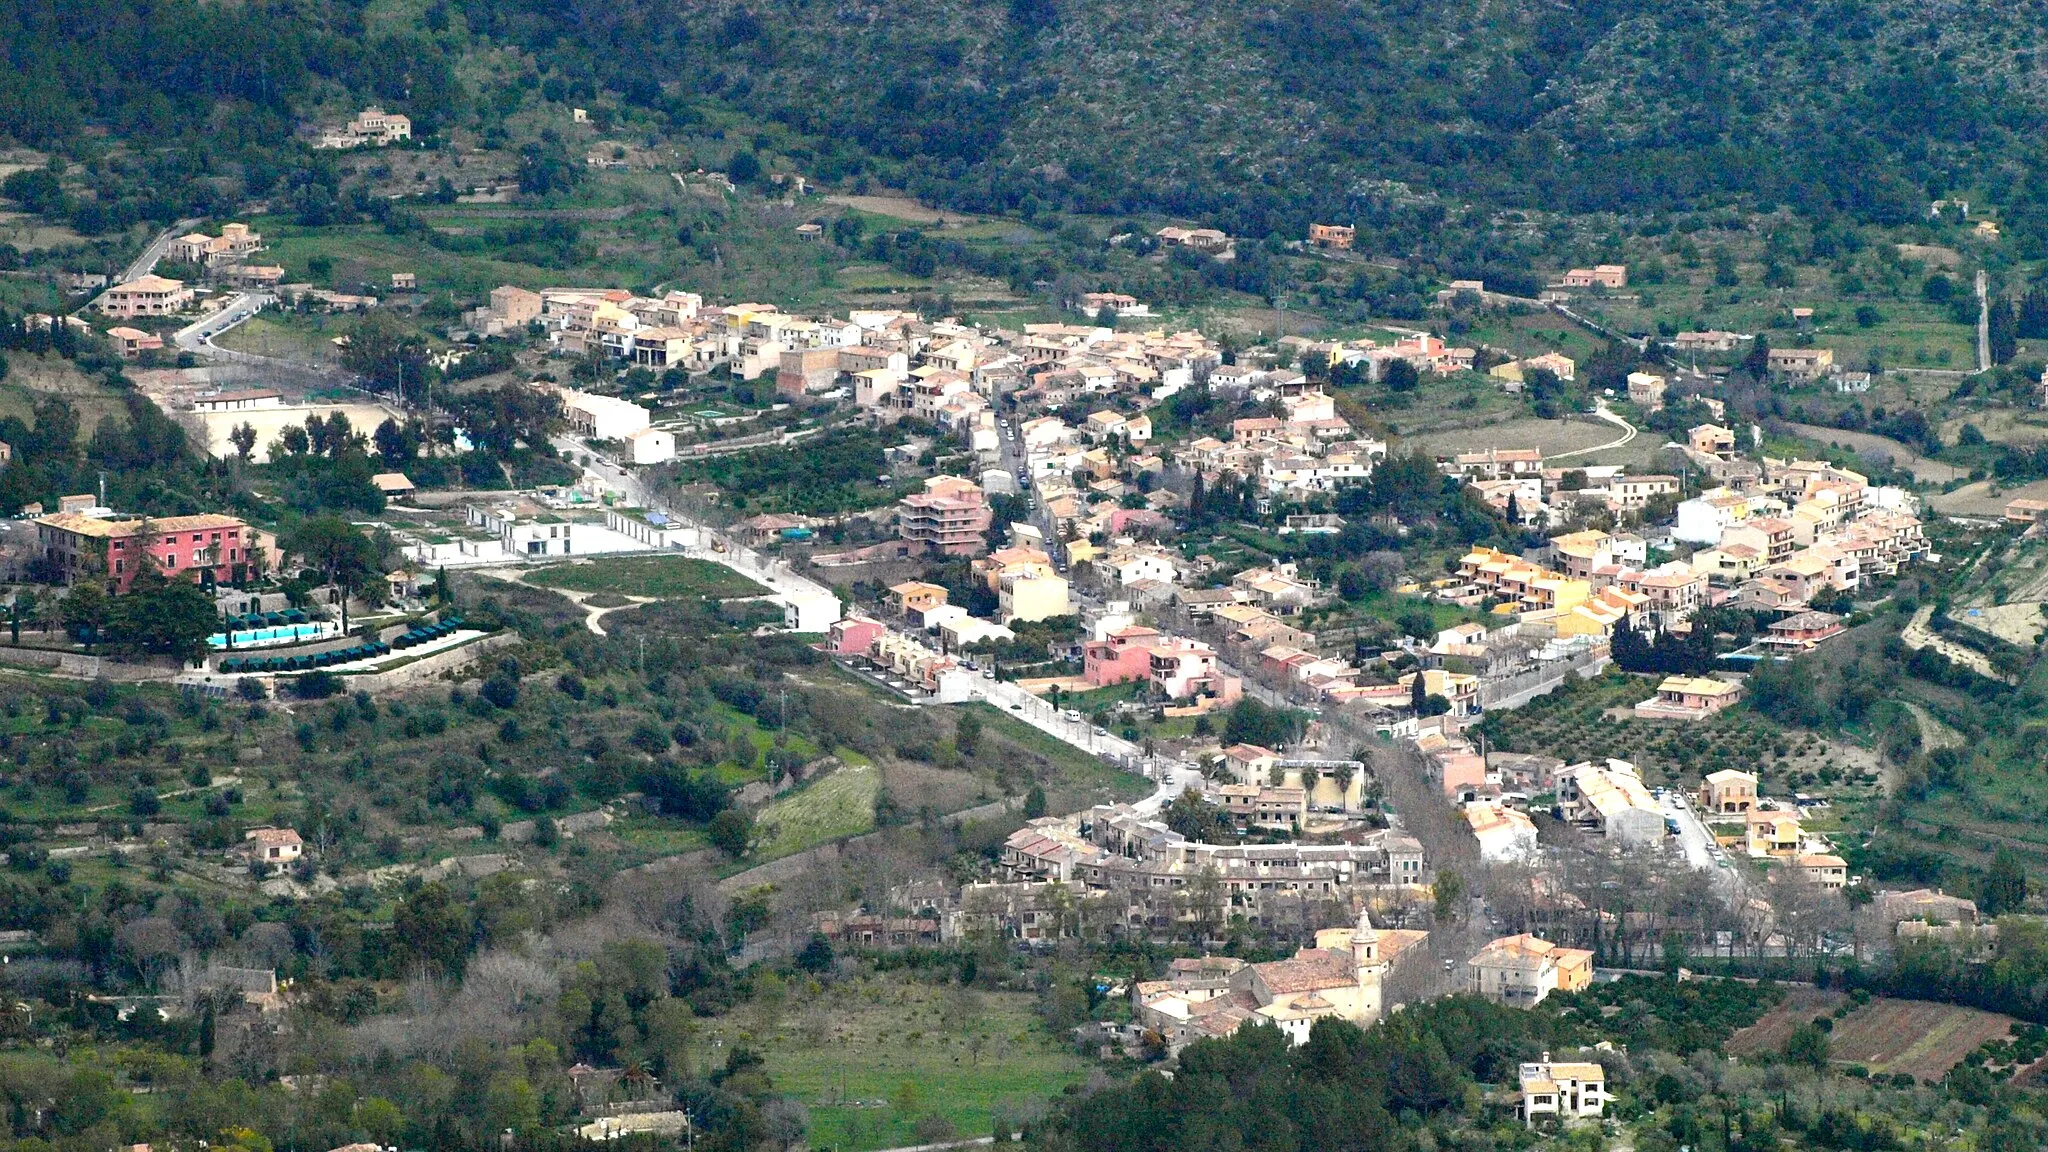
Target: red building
x: 209, y: 548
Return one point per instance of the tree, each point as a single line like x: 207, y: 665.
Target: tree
x: 244, y: 439
x: 391, y: 355
x: 503, y: 691
x: 1808, y: 1046
x: 744, y: 167
x: 1034, y: 802
x: 1418, y: 694
x: 2003, y: 330
x: 392, y: 443
x: 2005, y: 884
x: 2032, y: 322
x: 1197, y: 819
x: 163, y: 618
x: 85, y: 609
x: 731, y: 831
x: 816, y: 956
x: 1450, y: 890
x: 967, y: 733
x: 1757, y: 361
x: 1400, y: 376
x: 332, y: 545
x: 431, y: 929
x: 1352, y: 585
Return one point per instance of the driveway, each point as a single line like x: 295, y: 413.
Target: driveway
x: 1602, y: 411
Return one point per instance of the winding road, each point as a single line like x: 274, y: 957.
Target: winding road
x: 1603, y: 412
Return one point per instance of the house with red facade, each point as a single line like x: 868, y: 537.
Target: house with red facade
x: 212, y: 549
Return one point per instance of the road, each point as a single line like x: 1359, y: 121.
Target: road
x: 1603, y: 412
x: 1983, y: 321
x: 1172, y: 777
x: 1014, y: 461
x: 197, y: 337
x: 146, y: 263
x: 1696, y: 844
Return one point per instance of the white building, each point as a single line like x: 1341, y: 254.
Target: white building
x: 653, y: 529
x: 1612, y: 801
x: 1505, y: 834
x: 810, y: 611
x: 605, y: 417
x: 651, y: 446
x: 1566, y: 1090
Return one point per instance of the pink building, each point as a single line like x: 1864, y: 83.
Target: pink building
x: 1124, y: 655
x: 853, y: 636
x: 1180, y: 668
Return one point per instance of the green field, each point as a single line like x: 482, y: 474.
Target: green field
x: 846, y: 1052
x: 658, y: 577
x: 840, y: 805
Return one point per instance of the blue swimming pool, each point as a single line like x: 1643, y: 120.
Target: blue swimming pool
x: 281, y: 634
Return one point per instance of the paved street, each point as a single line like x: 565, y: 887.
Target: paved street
x: 146, y: 263
x: 1696, y: 844
x: 198, y: 336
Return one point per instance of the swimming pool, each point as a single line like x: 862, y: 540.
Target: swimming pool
x: 282, y: 634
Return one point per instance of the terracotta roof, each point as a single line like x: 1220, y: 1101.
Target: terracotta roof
x: 110, y: 529
x: 1310, y: 969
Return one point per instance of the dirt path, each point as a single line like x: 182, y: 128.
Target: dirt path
x: 1933, y: 733
x: 1628, y: 433
x: 592, y: 613
x: 1917, y: 634
x: 905, y: 208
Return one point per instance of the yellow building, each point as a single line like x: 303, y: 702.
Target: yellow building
x: 1774, y: 834
x: 1033, y: 595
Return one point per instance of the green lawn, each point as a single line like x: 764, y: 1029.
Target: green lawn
x: 840, y: 805
x: 660, y: 577
x: 848, y: 1051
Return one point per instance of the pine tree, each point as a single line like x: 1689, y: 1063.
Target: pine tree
x: 2033, y: 318
x: 1198, y: 502
x: 1626, y: 647
x: 2004, y: 326
x: 1514, y: 510
x: 1418, y: 694
x: 1758, y: 361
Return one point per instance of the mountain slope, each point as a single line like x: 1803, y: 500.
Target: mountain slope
x: 1261, y: 115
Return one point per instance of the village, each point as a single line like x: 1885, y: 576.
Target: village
x: 1066, y: 505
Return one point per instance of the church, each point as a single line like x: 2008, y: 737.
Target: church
x: 1342, y: 975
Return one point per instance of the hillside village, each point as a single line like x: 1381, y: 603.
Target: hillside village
x: 1078, y: 578
x: 1041, y: 544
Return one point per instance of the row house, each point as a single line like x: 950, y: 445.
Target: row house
x: 1495, y: 464
x: 1578, y: 554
